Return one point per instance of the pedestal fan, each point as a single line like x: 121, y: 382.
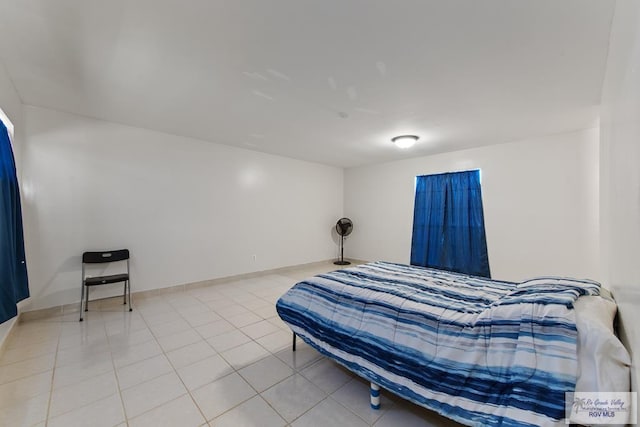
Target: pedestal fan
x: 344, y: 227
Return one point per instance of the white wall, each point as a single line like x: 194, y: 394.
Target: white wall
x: 540, y: 201
x: 188, y: 210
x: 12, y: 106
x: 620, y: 171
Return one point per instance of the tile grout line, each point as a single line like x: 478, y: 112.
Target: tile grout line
x: 115, y: 373
x: 53, y: 372
x: 175, y: 370
x: 236, y: 297
x: 236, y: 371
x: 226, y: 293
x: 75, y: 383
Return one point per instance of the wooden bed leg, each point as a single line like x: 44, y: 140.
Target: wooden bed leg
x: 375, y: 396
x: 294, y: 341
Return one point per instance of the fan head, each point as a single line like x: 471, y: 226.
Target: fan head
x: 344, y: 227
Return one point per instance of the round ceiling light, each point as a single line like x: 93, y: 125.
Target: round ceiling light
x: 404, y: 141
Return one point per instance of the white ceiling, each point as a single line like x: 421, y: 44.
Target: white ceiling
x: 329, y: 81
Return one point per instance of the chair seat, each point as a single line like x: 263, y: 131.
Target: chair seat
x: 103, y: 280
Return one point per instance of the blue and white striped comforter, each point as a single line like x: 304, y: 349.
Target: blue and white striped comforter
x: 478, y: 351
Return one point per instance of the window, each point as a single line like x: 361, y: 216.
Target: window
x: 448, y: 224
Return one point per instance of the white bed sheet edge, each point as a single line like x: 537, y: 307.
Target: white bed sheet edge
x: 604, y: 363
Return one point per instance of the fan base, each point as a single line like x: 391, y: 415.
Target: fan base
x: 341, y: 262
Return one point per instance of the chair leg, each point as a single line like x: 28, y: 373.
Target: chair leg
x: 129, y: 288
x: 124, y: 294
x: 81, y: 301
x: 86, y: 301
x: 294, y: 341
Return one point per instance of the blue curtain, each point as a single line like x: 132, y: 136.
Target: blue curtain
x: 14, y: 286
x: 448, y: 224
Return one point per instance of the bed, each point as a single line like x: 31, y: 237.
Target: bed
x: 478, y: 351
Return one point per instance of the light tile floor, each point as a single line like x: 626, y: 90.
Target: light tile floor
x: 211, y: 356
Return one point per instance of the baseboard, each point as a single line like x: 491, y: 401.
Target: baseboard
x: 75, y: 307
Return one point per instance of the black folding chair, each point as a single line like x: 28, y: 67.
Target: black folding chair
x: 88, y: 281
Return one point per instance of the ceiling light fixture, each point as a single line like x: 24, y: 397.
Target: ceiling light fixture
x: 404, y: 141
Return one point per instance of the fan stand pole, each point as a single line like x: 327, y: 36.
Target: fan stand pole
x: 342, y: 261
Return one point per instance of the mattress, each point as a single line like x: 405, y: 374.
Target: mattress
x: 478, y: 351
